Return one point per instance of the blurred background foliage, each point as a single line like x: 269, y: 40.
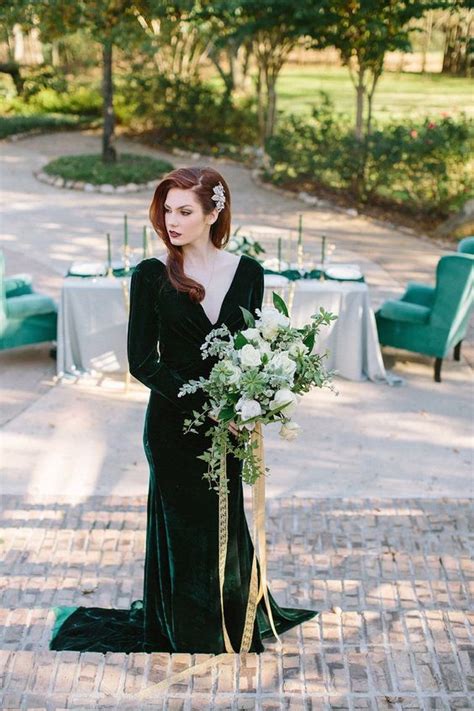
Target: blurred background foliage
x: 367, y: 100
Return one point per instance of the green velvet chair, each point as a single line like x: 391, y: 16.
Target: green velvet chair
x: 431, y: 319
x: 26, y: 317
x: 466, y: 245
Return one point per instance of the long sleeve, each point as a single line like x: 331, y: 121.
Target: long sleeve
x: 142, y: 339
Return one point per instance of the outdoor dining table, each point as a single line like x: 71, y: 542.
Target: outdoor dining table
x: 93, y: 317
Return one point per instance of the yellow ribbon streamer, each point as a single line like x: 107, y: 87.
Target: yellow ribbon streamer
x: 255, y: 591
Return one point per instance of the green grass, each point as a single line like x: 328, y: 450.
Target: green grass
x: 399, y: 95
x: 10, y: 125
x: 129, y: 168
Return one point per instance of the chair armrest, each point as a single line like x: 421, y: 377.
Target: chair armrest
x: 17, y: 285
x: 30, y: 305
x: 417, y: 293
x: 398, y: 310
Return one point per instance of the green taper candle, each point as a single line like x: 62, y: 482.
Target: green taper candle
x: 109, y: 251
x: 145, y: 242
x: 300, y: 230
x: 125, y: 231
x: 323, y: 249
x: 279, y: 254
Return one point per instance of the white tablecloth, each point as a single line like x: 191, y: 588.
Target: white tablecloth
x: 92, y: 325
x: 93, y: 316
x: 352, y: 340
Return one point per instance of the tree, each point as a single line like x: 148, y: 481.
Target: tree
x: 458, y: 26
x: 271, y: 28
x: 363, y: 31
x: 111, y: 23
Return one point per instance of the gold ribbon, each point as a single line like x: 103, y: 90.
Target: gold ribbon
x: 255, y: 591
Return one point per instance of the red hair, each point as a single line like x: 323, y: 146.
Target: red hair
x: 201, y: 181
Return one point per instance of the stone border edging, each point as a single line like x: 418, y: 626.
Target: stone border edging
x: 58, y: 182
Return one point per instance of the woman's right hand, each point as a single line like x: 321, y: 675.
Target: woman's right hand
x: 232, y: 426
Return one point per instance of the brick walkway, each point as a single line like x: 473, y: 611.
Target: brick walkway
x: 390, y: 577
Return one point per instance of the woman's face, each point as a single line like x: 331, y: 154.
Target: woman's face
x: 184, y: 216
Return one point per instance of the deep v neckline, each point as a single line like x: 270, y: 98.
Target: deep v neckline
x: 226, y: 296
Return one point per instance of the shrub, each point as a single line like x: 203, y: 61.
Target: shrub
x: 189, y: 114
x: 422, y: 166
x: 10, y: 125
x: 129, y: 168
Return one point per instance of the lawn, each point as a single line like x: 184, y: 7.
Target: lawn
x: 397, y: 94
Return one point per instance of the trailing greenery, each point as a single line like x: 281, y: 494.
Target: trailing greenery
x: 186, y: 113
x: 10, y: 125
x: 422, y: 166
x: 129, y: 168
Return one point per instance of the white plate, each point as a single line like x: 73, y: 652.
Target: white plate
x: 87, y: 269
x: 272, y: 263
x: 343, y: 272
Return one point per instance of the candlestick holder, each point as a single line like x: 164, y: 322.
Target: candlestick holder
x: 109, y: 273
x: 126, y: 258
x: 300, y: 256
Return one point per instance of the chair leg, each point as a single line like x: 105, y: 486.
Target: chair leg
x: 457, y: 351
x: 437, y: 369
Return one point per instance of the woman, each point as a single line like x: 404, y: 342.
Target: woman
x: 175, y: 301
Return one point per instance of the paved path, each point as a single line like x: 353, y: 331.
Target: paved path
x: 365, y: 520
x: 389, y: 576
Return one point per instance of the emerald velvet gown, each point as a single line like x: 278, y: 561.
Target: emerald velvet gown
x: 180, y: 610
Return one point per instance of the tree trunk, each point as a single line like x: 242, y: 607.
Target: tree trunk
x: 260, y: 107
x: 456, y: 57
x: 360, y: 91
x: 428, y: 29
x: 109, y: 154
x: 271, y: 105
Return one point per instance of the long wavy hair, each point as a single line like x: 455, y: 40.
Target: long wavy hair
x: 201, y: 181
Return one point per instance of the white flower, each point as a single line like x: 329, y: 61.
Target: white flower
x: 297, y: 348
x: 289, y: 430
x: 264, y: 347
x: 233, y: 372
x: 284, y: 395
x: 283, y: 363
x: 271, y: 319
x: 251, y: 334
x: 248, y: 408
x: 249, y: 355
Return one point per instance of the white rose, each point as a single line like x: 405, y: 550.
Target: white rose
x: 248, y: 408
x: 289, y: 430
x: 233, y: 372
x: 271, y: 319
x: 249, y: 355
x: 284, y: 395
x: 297, y: 348
x: 251, y: 334
x: 264, y: 347
x: 283, y: 363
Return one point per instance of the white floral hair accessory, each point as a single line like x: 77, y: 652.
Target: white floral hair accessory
x: 219, y: 196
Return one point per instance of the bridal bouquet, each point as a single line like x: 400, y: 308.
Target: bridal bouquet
x: 259, y: 377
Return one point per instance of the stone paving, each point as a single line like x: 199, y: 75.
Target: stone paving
x: 390, y: 578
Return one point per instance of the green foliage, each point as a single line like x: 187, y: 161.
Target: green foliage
x: 129, y: 168
x: 186, y: 113
x: 82, y: 100
x: 43, y: 77
x: 421, y: 165
x: 10, y: 125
